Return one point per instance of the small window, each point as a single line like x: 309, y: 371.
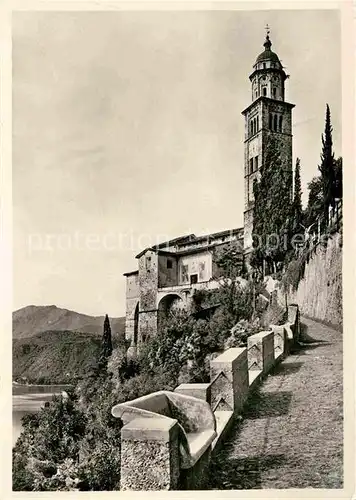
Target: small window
x: 256, y: 163
x: 275, y: 123
x: 148, y: 262
x: 264, y: 65
x: 274, y: 91
x: 169, y: 264
x: 193, y: 279
x: 251, y: 165
x: 258, y: 125
x: 280, y: 123
x: 270, y: 121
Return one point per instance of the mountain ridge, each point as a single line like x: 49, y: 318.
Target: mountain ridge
x: 31, y: 320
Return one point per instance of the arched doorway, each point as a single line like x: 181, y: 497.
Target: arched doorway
x: 169, y: 303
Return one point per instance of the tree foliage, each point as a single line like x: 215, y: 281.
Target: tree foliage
x: 315, y: 205
x: 50, y: 441
x: 272, y: 209
x: 327, y: 187
x: 229, y: 260
x: 326, y: 168
x: 106, y: 344
x: 337, y: 191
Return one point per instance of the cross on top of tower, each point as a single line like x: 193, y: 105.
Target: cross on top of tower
x: 267, y: 44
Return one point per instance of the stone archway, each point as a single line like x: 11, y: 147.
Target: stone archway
x: 168, y: 303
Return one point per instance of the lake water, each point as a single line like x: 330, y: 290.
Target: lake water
x: 29, y: 399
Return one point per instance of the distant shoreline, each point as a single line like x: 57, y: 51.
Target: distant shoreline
x: 18, y: 384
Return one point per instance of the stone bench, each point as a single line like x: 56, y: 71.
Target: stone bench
x: 195, y: 419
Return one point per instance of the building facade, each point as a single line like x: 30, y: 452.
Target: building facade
x: 168, y: 274
x: 268, y: 115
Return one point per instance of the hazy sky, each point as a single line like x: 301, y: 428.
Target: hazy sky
x: 128, y: 125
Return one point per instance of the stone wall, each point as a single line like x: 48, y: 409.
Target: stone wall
x: 132, y: 299
x: 199, y: 264
x: 167, y: 271
x: 148, y: 282
x: 147, y: 326
x: 319, y: 294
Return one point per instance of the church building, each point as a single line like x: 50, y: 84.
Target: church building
x: 268, y: 115
x: 169, y: 273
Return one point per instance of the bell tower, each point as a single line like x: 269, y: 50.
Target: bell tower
x: 267, y: 115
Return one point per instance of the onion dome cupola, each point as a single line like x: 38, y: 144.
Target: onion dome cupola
x: 268, y: 74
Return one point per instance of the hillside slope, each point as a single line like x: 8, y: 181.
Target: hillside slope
x: 30, y: 320
x: 55, y: 357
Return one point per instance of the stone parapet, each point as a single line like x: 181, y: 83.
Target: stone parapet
x: 260, y: 351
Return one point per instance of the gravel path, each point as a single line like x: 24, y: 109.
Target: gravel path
x: 291, y: 435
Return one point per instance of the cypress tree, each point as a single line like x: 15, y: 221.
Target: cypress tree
x: 337, y: 192
x: 326, y: 167
x: 106, y: 344
x: 297, y: 198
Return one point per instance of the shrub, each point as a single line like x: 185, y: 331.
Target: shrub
x: 293, y: 274
x: 240, y: 333
x: 49, y: 438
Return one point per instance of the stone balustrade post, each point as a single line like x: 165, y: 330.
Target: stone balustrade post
x: 260, y: 351
x: 293, y: 319
x: 229, y: 380
x: 150, y: 454
x: 280, y: 340
x: 200, y: 391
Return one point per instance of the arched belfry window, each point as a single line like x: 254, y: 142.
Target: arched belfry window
x: 280, y: 123
x: 270, y: 121
x: 275, y: 123
x: 264, y: 90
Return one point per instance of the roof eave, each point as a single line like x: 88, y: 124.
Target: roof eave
x: 262, y: 98
x: 130, y: 273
